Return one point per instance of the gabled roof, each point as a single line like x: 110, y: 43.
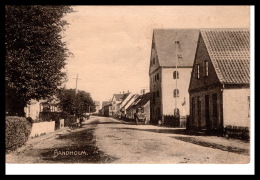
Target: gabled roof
x: 104, y: 103
x: 229, y: 50
x: 166, y: 50
x: 132, y: 97
x: 140, y: 101
x: 120, y: 97
x: 97, y: 103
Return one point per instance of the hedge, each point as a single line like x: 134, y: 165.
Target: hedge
x: 17, y: 132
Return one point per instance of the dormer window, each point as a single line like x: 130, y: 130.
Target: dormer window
x: 153, y: 61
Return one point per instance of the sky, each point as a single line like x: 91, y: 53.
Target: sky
x: 111, y: 45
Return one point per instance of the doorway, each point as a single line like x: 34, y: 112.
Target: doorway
x: 199, y: 112
x: 207, y: 115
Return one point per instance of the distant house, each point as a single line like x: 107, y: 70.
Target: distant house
x: 129, y: 101
x: 118, y: 100
x: 34, y: 107
x: 219, y: 86
x: 108, y: 110
x: 172, y: 57
x: 104, y: 103
x: 98, y: 107
x: 142, y: 102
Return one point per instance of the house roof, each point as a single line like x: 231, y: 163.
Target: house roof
x: 121, y: 97
x: 133, y: 96
x: 165, y: 46
x: 109, y: 104
x: 104, y: 103
x: 229, y: 50
x: 140, y: 101
x: 97, y: 103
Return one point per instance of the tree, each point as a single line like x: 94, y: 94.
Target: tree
x: 35, y: 53
x: 75, y: 103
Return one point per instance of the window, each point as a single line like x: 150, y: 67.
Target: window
x: 176, y: 112
x: 158, y: 78
x: 197, y: 71
x: 206, y: 68
x: 158, y: 94
x: 175, y: 75
x: 155, y: 78
x: 176, y: 93
x: 153, y: 61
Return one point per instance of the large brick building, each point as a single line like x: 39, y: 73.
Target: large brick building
x: 172, y: 57
x: 219, y: 85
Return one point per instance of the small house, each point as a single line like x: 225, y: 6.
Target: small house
x: 220, y: 83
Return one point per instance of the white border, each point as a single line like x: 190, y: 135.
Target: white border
x: 155, y: 168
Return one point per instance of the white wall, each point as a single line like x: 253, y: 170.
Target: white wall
x: 42, y: 127
x: 236, y: 107
x: 169, y: 84
x: 147, y: 110
x: 32, y: 110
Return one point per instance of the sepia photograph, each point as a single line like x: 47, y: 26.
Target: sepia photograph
x: 128, y: 86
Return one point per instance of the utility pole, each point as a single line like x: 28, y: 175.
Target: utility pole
x: 75, y: 93
x: 76, y: 83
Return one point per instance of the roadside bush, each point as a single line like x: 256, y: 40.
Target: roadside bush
x: 17, y: 132
x: 69, y: 119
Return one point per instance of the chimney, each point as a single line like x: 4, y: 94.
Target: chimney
x: 123, y: 92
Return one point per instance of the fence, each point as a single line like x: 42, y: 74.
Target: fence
x: 237, y: 132
x: 173, y: 121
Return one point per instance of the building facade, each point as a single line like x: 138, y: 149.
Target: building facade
x: 172, y: 57
x: 118, y: 100
x: 142, y: 102
x: 219, y: 87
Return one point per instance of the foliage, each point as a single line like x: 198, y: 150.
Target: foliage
x: 17, y: 132
x: 35, y: 53
x: 56, y: 116
x: 75, y: 103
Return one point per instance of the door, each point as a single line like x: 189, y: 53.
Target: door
x: 207, y: 115
x: 199, y: 112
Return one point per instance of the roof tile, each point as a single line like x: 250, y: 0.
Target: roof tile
x: 229, y: 50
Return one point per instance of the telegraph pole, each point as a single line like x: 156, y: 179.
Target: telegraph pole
x: 76, y: 83
x: 75, y: 93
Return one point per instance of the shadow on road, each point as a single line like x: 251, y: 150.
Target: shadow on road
x: 168, y: 131
x: 191, y: 138
x: 80, y: 148
x: 213, y: 145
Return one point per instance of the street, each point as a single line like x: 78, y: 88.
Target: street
x: 106, y: 140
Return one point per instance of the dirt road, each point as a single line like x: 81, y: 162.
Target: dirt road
x: 106, y: 140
